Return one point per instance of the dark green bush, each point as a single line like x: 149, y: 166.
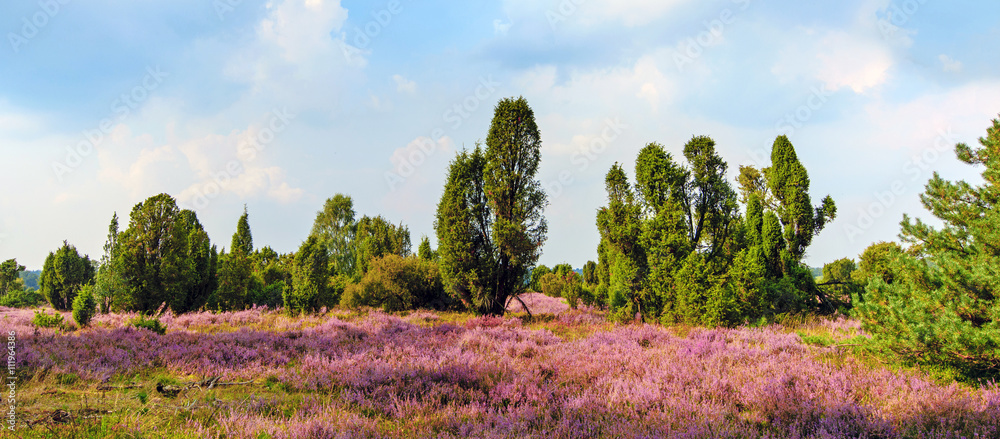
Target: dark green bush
x: 149, y: 323
x: 84, y: 306
x: 25, y: 298
x: 395, y: 283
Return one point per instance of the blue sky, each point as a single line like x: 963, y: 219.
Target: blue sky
x: 282, y: 104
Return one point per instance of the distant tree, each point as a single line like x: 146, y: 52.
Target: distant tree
x: 272, y: 274
x: 590, y: 273
x: 838, y: 279
x: 334, y: 227
x: 165, y: 257
x: 63, y: 274
x: 110, y: 287
x: 236, y: 284
x: 376, y: 237
x: 490, y: 227
x: 10, y: 275
x: 562, y: 269
x: 876, y: 261
x: 242, y: 240
x: 940, y: 305
x: 552, y: 285
x: 310, y: 274
x: 536, y: 277
x: 424, y: 251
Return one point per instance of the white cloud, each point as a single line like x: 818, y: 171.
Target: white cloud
x: 643, y: 80
x: 950, y: 65
x: 591, y: 13
x: 404, y: 85
x: 837, y: 58
x: 500, y: 27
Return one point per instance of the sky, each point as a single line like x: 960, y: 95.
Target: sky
x: 278, y: 105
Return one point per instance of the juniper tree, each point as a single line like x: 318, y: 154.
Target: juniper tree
x: 63, y: 274
x: 236, y: 281
x: 490, y: 227
x: 165, y: 257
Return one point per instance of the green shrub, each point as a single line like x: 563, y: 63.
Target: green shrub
x: 21, y: 298
x: 395, y: 283
x: 44, y: 320
x: 84, y: 306
x: 149, y: 323
x: 551, y: 284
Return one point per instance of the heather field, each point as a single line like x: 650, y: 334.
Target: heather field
x: 560, y: 374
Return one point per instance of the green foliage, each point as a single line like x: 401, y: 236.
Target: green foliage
x: 590, y: 273
x: 424, y: 251
x: 536, y: 277
x: 620, y: 225
x: 25, y: 298
x: 396, y: 283
x: 939, y: 305
x: 148, y: 323
x: 567, y: 285
x: 10, y: 276
x: 237, y: 284
x: 272, y: 273
x: 63, y: 274
x: 45, y: 320
x: 30, y: 279
x: 552, y: 285
x: 84, y: 306
x: 377, y: 237
x: 839, y: 280
x: 165, y: 257
x: 489, y: 225
x: 876, y: 261
x: 242, y: 243
x: 236, y: 281
x: 110, y: 288
x: 676, y: 249
x: 308, y: 291
x: 335, y: 227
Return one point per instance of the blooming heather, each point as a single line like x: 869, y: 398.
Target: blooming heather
x: 419, y: 376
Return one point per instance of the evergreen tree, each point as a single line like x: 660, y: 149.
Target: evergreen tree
x: 165, y: 257
x: 490, y: 227
x: 110, y: 288
x: 620, y: 226
x: 590, y: 273
x: 425, y: 252
x: 63, y: 274
x: 236, y: 284
x: 941, y: 304
x: 788, y: 182
x: 242, y: 240
x: 308, y: 291
x: 84, y: 306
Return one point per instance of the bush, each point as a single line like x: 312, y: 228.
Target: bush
x: 552, y: 285
x: 84, y: 306
x: 149, y: 323
x: 395, y: 283
x: 25, y: 298
x: 44, y: 320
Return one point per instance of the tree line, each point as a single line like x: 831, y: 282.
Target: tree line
x: 680, y: 243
